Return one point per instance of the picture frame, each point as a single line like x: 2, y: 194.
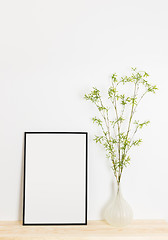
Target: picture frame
x: 55, y: 178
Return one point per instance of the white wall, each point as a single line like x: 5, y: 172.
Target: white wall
x: 51, y: 53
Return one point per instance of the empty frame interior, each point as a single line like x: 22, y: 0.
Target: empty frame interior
x: 55, y: 178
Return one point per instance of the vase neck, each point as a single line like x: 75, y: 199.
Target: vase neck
x: 118, y: 188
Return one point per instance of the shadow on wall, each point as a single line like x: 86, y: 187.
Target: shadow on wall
x: 20, y: 207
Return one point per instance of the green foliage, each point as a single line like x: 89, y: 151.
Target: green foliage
x: 93, y: 96
x: 118, y: 132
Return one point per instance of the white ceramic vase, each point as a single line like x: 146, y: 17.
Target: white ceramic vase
x: 118, y: 213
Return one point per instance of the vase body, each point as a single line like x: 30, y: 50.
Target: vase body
x: 118, y: 213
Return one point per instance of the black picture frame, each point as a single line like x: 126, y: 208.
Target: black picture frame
x: 86, y: 180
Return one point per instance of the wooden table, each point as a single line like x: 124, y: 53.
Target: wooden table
x: 95, y: 230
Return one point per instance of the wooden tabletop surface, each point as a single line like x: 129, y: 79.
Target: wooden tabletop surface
x: 95, y: 230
